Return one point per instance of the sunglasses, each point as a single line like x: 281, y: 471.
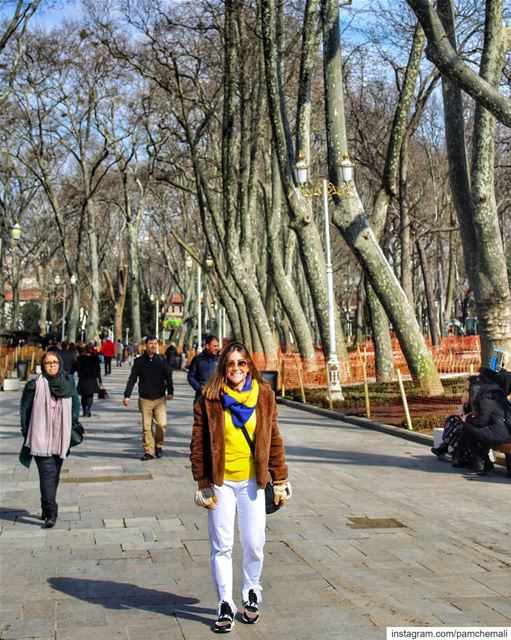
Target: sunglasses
x: 233, y: 364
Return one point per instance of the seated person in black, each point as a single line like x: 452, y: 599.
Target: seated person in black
x: 487, y: 426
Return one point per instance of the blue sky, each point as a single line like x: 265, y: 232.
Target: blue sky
x: 64, y: 9
x: 71, y: 9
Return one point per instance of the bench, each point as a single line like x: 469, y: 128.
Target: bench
x: 505, y: 449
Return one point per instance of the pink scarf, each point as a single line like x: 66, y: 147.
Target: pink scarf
x: 49, y: 431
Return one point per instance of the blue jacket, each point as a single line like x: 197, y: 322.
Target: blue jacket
x: 201, y: 369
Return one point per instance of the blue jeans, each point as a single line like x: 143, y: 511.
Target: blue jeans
x: 49, y: 475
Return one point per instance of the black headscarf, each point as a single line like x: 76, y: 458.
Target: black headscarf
x: 61, y: 385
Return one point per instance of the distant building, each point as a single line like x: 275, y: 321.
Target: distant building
x: 175, y: 308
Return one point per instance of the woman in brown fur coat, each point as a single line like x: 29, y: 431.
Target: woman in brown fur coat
x: 237, y: 403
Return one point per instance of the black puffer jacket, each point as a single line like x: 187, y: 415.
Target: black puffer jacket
x: 488, y: 401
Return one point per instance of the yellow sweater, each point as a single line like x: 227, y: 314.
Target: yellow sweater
x: 239, y: 461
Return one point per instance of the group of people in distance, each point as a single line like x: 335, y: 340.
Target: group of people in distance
x: 232, y: 402
x: 483, y: 422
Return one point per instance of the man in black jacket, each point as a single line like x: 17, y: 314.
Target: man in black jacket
x: 202, y: 366
x: 155, y: 386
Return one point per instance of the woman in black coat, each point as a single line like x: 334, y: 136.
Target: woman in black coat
x: 89, y: 376
x: 486, y: 427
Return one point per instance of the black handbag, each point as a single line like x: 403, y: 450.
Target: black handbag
x: 102, y: 393
x: 77, y: 433
x: 269, y: 492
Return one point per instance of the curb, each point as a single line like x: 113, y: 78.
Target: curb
x: 365, y: 423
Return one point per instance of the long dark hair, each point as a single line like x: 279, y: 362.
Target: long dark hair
x: 213, y: 387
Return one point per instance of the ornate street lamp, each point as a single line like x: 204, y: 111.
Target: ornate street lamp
x: 325, y: 189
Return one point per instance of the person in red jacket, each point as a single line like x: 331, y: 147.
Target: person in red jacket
x: 108, y: 351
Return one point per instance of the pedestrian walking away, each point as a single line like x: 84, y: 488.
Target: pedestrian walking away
x: 132, y: 352
x: 108, y: 351
x: 203, y: 365
x: 155, y: 387
x: 89, y: 378
x: 231, y: 479
x: 49, y: 407
x: 172, y: 356
x: 119, y: 351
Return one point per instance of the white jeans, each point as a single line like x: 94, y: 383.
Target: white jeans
x: 249, y: 502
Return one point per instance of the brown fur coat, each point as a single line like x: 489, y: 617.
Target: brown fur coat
x: 208, y: 441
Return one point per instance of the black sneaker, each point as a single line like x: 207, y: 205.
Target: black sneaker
x: 146, y: 456
x: 478, y: 468
x: 225, y: 621
x: 251, y: 610
x: 158, y: 451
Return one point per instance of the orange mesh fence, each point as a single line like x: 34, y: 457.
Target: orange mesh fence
x: 454, y: 355
x: 455, y: 358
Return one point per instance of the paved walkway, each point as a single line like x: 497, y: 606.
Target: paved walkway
x: 129, y: 555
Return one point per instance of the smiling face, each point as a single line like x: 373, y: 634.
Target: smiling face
x: 51, y: 365
x: 236, y: 370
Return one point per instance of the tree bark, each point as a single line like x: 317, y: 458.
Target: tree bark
x: 351, y: 220
x: 288, y: 298
x: 429, y: 292
x: 118, y: 297
x: 443, y: 55
x: 473, y: 194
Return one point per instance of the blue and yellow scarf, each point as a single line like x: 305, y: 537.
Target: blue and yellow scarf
x: 242, y: 403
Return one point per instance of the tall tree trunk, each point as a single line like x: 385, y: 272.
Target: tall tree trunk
x: 451, y: 280
x: 44, y: 285
x: 74, y: 312
x: 361, y: 303
x: 285, y: 290
x: 350, y: 219
x: 118, y: 297
x: 474, y: 196
x: 431, y: 307
x: 240, y: 272
x: 93, y: 318
x: 405, y: 225
x: 134, y: 281
x: 383, y: 356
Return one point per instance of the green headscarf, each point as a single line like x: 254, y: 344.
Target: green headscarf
x: 62, y: 385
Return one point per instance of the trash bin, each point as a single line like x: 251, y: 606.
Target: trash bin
x: 23, y: 369
x: 272, y: 378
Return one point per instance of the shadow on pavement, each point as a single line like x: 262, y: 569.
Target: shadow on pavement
x: 124, y: 595
x: 20, y: 515
x: 427, y: 463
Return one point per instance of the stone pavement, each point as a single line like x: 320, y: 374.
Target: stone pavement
x: 129, y: 555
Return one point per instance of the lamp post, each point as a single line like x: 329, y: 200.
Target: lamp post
x: 73, y: 311
x: 324, y: 189
x: 209, y: 264
x: 189, y: 264
x: 15, y: 233
x: 57, y: 282
x: 157, y: 300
